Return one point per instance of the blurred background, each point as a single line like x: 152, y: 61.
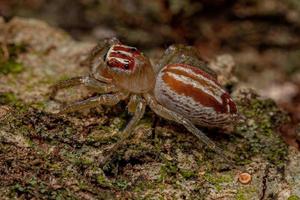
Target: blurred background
x: 263, y: 36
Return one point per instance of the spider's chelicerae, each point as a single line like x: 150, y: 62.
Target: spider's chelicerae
x: 175, y: 91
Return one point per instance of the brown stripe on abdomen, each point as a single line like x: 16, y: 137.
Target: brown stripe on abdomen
x: 196, y: 94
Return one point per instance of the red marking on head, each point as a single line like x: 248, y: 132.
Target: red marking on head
x: 115, y: 61
x: 122, y: 57
x: 134, y: 51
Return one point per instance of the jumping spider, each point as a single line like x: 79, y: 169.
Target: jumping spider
x: 176, y: 91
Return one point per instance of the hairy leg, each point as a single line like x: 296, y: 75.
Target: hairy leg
x: 105, y: 99
x: 101, y: 48
x: 185, y: 55
x: 168, y: 114
x: 139, y: 105
x: 87, y: 81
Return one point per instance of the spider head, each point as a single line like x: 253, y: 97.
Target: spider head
x: 129, y: 68
x: 124, y: 59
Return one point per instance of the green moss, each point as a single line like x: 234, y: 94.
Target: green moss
x: 218, y: 180
x: 88, y: 161
x: 18, y: 188
x: 293, y: 197
x: 41, y: 105
x: 187, y: 174
x: 103, y: 181
x: 121, y: 184
x: 99, y: 137
x: 245, y: 193
x: 15, y: 49
x: 9, y: 98
x: 118, y: 123
x: 168, y: 170
x: 263, y: 118
x: 11, y: 67
x: 146, y: 121
x: 141, y: 186
x: 240, y: 196
x: 35, y: 188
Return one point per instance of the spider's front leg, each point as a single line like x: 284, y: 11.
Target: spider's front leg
x: 104, y: 99
x: 87, y: 81
x: 136, y: 105
x: 171, y: 115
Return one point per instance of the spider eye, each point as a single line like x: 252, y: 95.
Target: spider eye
x: 133, y: 49
x: 126, y: 66
x: 105, y: 56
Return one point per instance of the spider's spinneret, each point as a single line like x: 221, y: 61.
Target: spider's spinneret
x: 122, y: 57
x: 195, y: 94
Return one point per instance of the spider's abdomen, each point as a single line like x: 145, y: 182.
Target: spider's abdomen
x: 194, y: 94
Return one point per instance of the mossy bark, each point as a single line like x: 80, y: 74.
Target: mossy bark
x: 44, y: 155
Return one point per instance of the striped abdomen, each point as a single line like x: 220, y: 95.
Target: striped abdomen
x: 194, y: 94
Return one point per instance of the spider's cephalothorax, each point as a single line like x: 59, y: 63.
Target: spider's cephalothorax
x: 180, y: 92
x: 129, y: 68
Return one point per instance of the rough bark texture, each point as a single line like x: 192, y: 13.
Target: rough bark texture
x: 43, y: 155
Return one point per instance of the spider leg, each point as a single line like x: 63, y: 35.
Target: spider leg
x: 87, y: 81
x: 104, y: 99
x: 185, y: 55
x: 101, y: 48
x: 95, y: 69
x: 168, y: 56
x: 166, y: 113
x: 139, y: 110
